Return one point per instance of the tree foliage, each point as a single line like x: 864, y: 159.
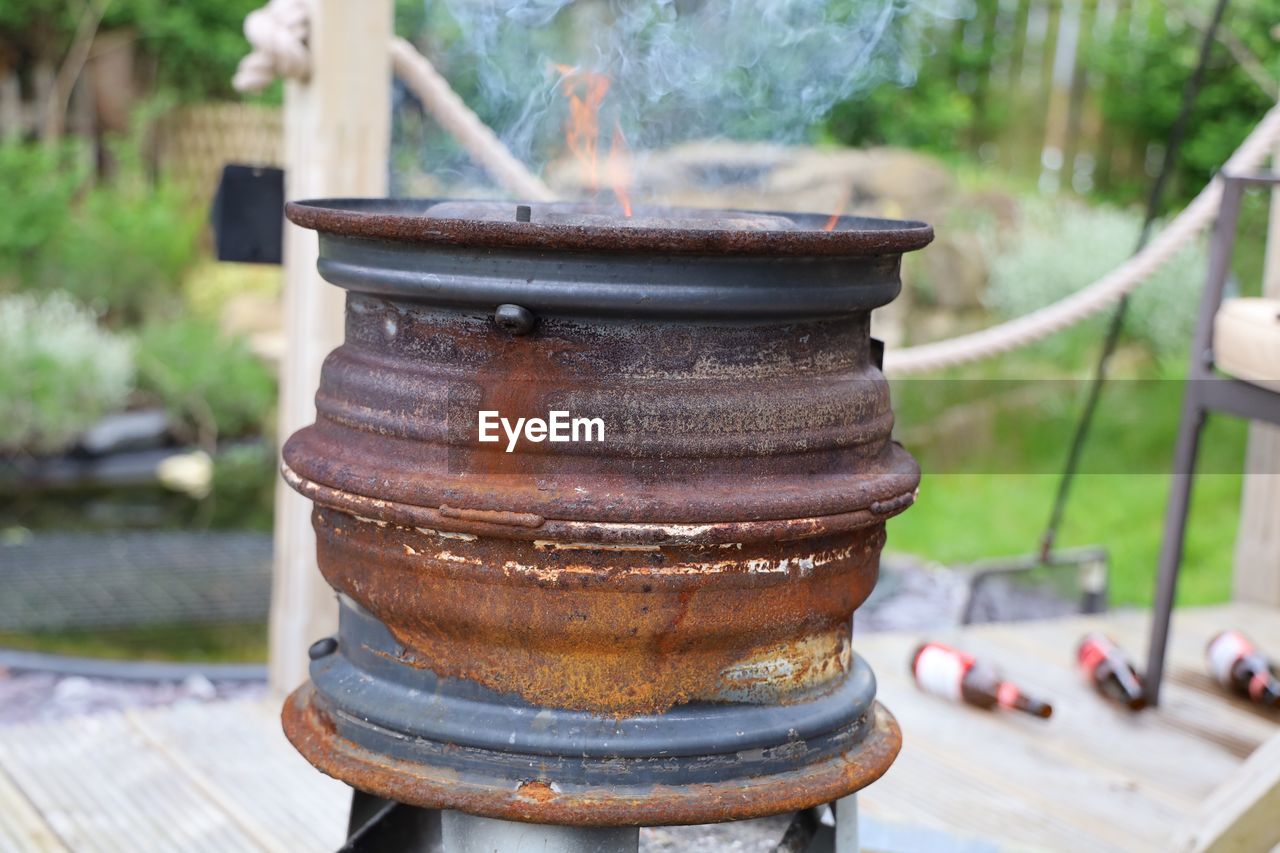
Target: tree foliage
x: 193, y: 46
x: 980, y: 82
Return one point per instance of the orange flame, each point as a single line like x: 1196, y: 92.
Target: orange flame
x: 844, y: 203
x: 585, y: 91
x: 620, y: 169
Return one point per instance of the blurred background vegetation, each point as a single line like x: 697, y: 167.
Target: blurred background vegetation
x: 1044, y: 119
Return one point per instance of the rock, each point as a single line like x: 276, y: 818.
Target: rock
x: 889, y: 324
x: 929, y: 323
x: 190, y: 473
x: 950, y: 275
x: 762, y: 176
x: 872, y: 182
x: 953, y: 273
x: 196, y: 686
x: 73, y: 689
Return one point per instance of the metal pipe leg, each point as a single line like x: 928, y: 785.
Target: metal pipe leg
x: 463, y: 833
x: 845, y: 810
x: 1175, y: 527
x: 377, y: 825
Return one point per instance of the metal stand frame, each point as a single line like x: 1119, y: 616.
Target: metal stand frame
x: 1205, y: 391
x: 377, y: 825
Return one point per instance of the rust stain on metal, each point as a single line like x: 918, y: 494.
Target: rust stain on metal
x: 701, y: 446
x: 727, y: 535
x: 493, y: 516
x: 642, y: 805
x: 537, y: 790
x: 727, y: 512
x: 713, y: 547
x: 618, y: 632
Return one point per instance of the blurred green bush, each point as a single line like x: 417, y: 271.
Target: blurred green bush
x: 211, y: 385
x: 244, y: 481
x: 122, y: 245
x: 38, y: 184
x: 1061, y: 248
x: 59, y: 372
x: 192, y: 47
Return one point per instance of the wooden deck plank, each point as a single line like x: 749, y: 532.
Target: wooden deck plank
x: 1023, y: 760
x: 221, y: 776
x: 100, y: 786
x: 1095, y: 775
x: 1191, y: 703
x: 1243, y: 813
x: 1203, y: 709
x: 237, y: 754
x: 920, y: 790
x: 21, y: 826
x: 1112, y: 735
x: 1123, y: 748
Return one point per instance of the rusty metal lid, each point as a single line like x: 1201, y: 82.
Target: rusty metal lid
x: 576, y: 259
x: 576, y: 227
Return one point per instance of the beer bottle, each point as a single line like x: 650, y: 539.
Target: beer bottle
x: 1240, y: 667
x: 1110, y: 671
x: 956, y: 675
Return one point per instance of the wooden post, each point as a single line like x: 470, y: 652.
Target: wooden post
x: 337, y: 139
x: 1257, y: 560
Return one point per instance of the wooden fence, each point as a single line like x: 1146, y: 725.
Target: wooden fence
x: 193, y: 143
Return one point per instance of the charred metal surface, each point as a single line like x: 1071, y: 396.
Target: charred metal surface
x: 408, y: 221
x: 703, y: 421
x: 693, y: 572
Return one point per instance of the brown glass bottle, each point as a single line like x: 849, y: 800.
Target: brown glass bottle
x: 1237, y: 665
x: 956, y: 675
x: 1110, y: 671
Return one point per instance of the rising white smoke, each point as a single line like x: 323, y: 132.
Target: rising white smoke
x: 680, y: 69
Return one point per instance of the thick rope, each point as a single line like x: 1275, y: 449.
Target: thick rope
x: 278, y: 35
x: 1084, y: 303
x: 435, y: 93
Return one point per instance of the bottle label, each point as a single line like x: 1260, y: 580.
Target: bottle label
x: 1227, y: 648
x: 939, y: 670
x: 1007, y: 695
x: 1093, y: 651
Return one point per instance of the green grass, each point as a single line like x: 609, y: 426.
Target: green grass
x: 989, y: 483
x: 965, y: 517
x: 226, y: 643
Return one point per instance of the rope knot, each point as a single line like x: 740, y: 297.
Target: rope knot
x: 278, y: 34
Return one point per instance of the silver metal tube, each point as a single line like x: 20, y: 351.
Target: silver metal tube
x: 846, y: 815
x: 464, y: 833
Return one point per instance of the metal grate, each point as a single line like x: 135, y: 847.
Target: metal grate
x: 55, y: 581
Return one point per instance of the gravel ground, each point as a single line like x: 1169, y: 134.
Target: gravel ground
x: 32, y: 696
